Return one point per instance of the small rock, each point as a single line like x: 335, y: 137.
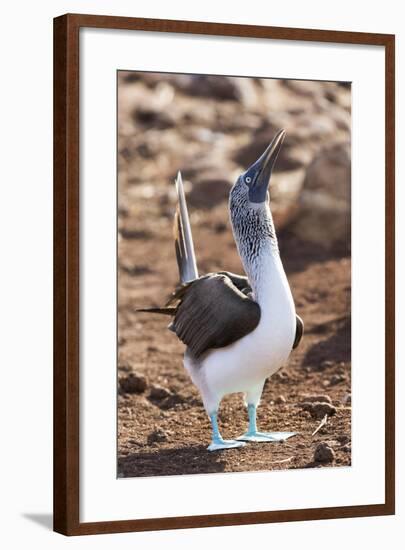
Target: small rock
x: 159, y: 393
x: 347, y: 400
x: 218, y: 87
x: 130, y: 233
x: 133, y: 383
x: 154, y: 118
x: 322, y: 365
x: 122, y: 340
x: 280, y: 400
x: 337, y: 379
x: 324, y: 453
x: 318, y: 410
x: 347, y: 449
x: 135, y: 270
x: 343, y: 439
x: 157, y: 436
x: 146, y: 150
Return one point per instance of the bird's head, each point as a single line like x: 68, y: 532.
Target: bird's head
x: 254, y: 183
x: 250, y: 214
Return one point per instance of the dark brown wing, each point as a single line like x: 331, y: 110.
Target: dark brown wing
x: 213, y: 313
x: 299, y: 331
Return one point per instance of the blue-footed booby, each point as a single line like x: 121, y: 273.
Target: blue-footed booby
x: 239, y: 330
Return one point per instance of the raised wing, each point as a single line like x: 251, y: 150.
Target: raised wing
x: 212, y: 313
x: 183, y: 237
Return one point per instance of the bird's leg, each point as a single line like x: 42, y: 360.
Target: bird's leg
x: 217, y: 442
x: 254, y: 435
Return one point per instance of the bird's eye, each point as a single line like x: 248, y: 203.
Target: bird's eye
x: 248, y: 179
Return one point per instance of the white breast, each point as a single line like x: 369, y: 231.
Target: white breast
x: 249, y: 361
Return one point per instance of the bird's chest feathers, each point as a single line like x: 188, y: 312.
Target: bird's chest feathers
x: 271, y: 342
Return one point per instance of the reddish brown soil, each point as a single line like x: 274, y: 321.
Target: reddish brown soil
x: 320, y: 283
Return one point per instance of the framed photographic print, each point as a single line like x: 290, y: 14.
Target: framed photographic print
x: 223, y: 274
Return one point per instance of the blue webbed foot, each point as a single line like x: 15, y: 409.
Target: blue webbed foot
x: 262, y: 437
x: 254, y: 435
x: 217, y: 443
x: 220, y: 444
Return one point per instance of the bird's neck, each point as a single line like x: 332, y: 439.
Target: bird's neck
x: 266, y: 274
x: 258, y: 248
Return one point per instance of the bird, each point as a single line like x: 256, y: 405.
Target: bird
x: 238, y: 329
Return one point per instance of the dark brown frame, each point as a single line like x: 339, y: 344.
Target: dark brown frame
x: 66, y: 273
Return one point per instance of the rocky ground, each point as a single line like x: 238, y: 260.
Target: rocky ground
x: 211, y: 128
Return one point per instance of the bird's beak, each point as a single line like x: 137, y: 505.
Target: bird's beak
x: 263, y: 167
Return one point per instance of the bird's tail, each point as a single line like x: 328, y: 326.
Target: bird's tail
x: 185, y: 254
x: 163, y: 310
x: 183, y: 238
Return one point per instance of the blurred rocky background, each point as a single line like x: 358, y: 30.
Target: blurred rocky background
x: 212, y: 128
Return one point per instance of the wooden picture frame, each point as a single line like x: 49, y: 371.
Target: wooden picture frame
x: 67, y: 284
